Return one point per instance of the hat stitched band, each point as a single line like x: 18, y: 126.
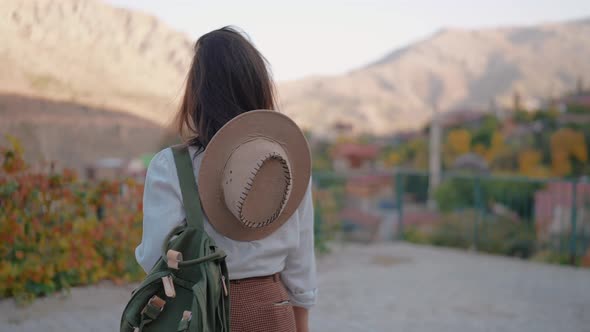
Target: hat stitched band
x: 248, y: 187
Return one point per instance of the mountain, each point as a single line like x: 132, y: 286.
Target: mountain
x: 102, y: 62
x: 82, y: 80
x: 75, y: 135
x: 453, y: 69
x: 87, y: 51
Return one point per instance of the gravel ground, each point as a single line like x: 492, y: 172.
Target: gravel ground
x: 382, y: 287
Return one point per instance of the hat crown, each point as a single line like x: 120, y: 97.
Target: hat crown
x: 256, y: 181
x: 267, y: 177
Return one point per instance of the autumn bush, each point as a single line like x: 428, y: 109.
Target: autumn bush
x: 494, y: 235
x: 57, y: 231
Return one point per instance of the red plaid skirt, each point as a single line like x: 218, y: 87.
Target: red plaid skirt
x: 260, y: 304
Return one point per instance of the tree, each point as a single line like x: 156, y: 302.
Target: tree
x: 567, y: 146
x: 496, y: 147
x: 458, y: 143
x: 480, y: 149
x: 529, y: 162
x: 483, y: 135
x: 393, y: 159
x: 421, y: 155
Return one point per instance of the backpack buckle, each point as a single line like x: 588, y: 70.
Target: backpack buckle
x: 184, y: 322
x: 173, y: 257
x: 154, y: 307
x: 187, y: 316
x: 168, y: 286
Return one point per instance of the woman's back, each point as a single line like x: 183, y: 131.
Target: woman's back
x: 273, y: 276
x: 163, y: 210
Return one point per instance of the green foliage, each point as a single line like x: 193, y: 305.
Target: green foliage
x: 552, y: 257
x: 454, y: 194
x: 454, y: 232
x: 321, y: 157
x: 518, y: 197
x: 459, y: 193
x: 483, y: 135
x: 547, y: 118
x: 321, y: 163
x: 415, y: 235
x: 542, y: 143
x: 495, y: 235
x: 578, y: 109
x: 320, y: 234
x: 416, y: 186
x: 366, y: 139
x: 329, y: 180
x: 414, y: 153
x: 522, y: 116
x: 507, y: 237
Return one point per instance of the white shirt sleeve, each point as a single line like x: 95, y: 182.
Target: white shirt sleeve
x: 162, y: 208
x: 299, y: 275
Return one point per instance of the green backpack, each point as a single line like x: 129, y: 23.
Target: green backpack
x: 187, y: 290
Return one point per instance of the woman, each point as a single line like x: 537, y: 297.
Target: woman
x: 229, y: 77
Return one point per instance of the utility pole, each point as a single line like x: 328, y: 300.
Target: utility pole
x: 434, y: 156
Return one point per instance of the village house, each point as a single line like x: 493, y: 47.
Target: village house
x: 351, y: 157
x: 580, y: 99
x: 116, y: 168
x: 554, y: 205
x: 466, y: 118
x: 368, y: 209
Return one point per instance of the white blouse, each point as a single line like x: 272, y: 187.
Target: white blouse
x: 289, y: 250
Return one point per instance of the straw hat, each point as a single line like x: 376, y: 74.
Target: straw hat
x: 254, y: 174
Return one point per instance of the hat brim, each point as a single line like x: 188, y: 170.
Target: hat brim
x: 248, y: 125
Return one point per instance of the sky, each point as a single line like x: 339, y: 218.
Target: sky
x: 327, y: 37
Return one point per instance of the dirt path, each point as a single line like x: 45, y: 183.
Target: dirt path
x: 388, y: 287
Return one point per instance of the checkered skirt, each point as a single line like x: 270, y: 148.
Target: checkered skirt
x: 260, y: 305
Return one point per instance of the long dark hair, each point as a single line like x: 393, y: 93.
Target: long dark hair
x: 227, y: 77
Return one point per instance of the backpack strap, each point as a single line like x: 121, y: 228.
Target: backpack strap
x: 188, y: 186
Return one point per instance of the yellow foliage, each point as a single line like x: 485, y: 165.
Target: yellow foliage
x: 12, y: 157
x: 421, y: 159
x: 480, y: 149
x: 16, y: 145
x: 496, y: 147
x: 393, y: 159
x: 567, y: 143
x: 459, y: 141
x: 560, y: 163
x: 529, y: 162
x: 345, y: 139
x: 50, y: 234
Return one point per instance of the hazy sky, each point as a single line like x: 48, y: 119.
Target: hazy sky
x: 307, y: 37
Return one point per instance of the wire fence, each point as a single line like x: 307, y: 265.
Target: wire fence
x: 542, y: 219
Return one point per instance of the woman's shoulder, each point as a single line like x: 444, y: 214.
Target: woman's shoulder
x: 160, y: 162
x: 164, y: 156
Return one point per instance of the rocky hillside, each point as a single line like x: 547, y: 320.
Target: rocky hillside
x: 451, y: 69
x: 90, y: 52
x: 82, y: 80
x: 75, y: 135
